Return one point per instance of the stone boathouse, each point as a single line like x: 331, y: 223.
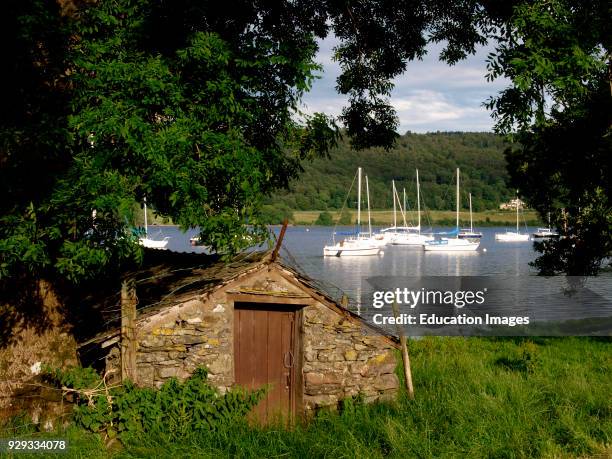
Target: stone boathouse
x: 250, y: 322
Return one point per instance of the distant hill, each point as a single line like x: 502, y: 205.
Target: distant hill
x: 324, y: 183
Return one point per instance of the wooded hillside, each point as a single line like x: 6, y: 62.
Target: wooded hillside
x: 324, y: 183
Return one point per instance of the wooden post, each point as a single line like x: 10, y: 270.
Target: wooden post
x: 405, y: 356
x: 279, y: 241
x: 128, y: 331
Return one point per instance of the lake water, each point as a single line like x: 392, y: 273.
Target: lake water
x: 305, y: 244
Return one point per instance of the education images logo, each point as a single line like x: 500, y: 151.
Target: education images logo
x: 458, y: 298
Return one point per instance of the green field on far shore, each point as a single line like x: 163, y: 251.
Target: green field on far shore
x: 434, y: 217
x: 385, y: 217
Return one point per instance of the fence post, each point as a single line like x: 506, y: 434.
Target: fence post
x: 405, y: 356
x: 128, y: 331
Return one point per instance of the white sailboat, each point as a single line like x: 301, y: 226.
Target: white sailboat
x: 413, y: 234
x: 513, y: 236
x: 545, y: 232
x: 390, y: 233
x: 452, y: 244
x: 375, y: 239
x: 146, y: 241
x: 470, y: 234
x: 354, y: 246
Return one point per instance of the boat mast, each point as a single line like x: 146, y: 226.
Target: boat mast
x: 394, y: 209
x: 369, y: 219
x: 404, y: 209
x: 418, y: 200
x: 517, y: 206
x: 145, y: 216
x: 359, y: 201
x: 457, y: 197
x: 471, y: 226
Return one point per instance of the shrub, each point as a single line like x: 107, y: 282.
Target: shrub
x: 176, y: 410
x: 346, y: 218
x: 325, y: 219
x: 276, y: 214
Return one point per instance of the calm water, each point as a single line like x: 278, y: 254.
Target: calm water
x: 306, y: 246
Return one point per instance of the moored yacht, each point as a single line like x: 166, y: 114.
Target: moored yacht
x: 360, y: 244
x: 545, y: 232
x: 513, y: 236
x: 148, y: 242
x: 413, y: 235
x: 351, y: 248
x: 452, y: 244
x: 470, y: 233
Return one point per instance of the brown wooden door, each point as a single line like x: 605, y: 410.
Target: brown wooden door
x: 265, y: 353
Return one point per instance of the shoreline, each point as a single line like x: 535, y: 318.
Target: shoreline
x: 384, y: 218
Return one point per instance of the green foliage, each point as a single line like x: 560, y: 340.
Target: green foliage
x: 320, y: 135
x: 74, y: 377
x: 110, y: 102
x: 151, y: 100
x: 551, y: 56
x: 558, y: 109
x: 466, y: 405
x: 574, y: 189
x: 113, y: 101
x: 324, y: 183
x: 174, y: 411
x: 346, y: 218
x: 276, y: 214
x: 324, y: 219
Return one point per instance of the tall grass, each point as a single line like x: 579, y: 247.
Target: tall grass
x: 475, y: 397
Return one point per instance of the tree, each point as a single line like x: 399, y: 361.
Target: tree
x: 346, y: 218
x: 323, y: 184
x: 558, y: 110
x: 324, y: 219
x: 276, y: 214
x: 156, y: 100
x: 195, y: 106
x: 192, y: 105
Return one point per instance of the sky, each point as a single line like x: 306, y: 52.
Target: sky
x: 429, y: 96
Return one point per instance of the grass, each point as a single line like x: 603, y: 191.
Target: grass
x: 385, y: 217
x: 81, y: 444
x: 435, y: 217
x: 475, y: 397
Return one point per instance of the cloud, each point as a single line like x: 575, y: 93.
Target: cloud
x: 428, y: 110
x: 429, y: 96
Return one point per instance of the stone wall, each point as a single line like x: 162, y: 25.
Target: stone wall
x: 341, y: 361
x: 174, y: 342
